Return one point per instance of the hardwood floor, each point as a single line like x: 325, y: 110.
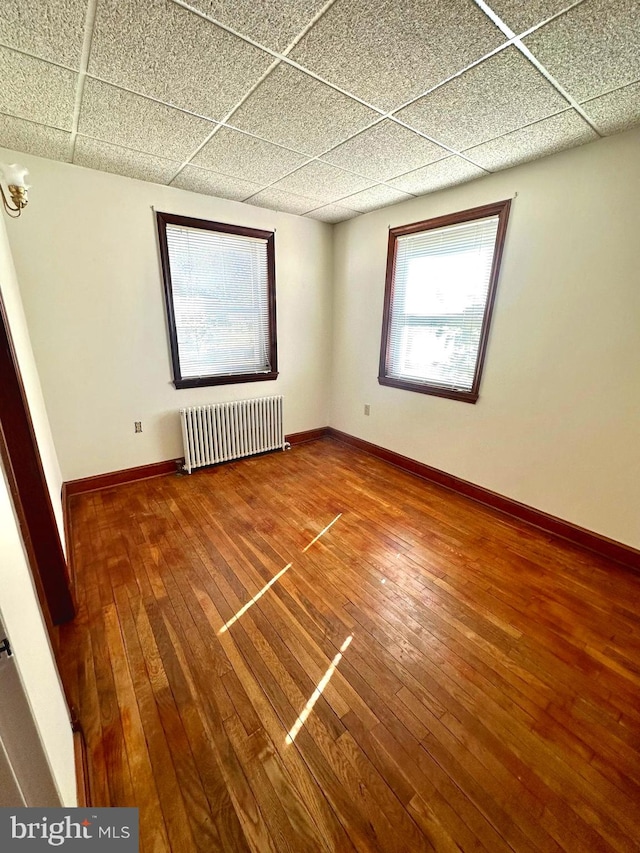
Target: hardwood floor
x: 475, y: 682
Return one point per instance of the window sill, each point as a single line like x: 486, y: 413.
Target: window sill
x: 433, y: 390
x: 230, y: 379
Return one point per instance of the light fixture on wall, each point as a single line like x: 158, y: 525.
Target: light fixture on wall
x: 15, y: 178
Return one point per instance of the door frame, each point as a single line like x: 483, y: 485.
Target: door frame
x: 29, y: 490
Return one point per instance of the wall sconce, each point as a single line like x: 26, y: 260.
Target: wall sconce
x: 14, y: 177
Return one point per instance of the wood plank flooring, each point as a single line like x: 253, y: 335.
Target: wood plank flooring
x: 313, y: 651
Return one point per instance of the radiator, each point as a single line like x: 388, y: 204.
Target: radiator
x: 224, y: 431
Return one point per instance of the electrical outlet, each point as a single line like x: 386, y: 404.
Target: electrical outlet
x: 137, y: 426
x: 367, y: 409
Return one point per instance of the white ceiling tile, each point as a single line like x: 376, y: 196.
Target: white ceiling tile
x: 493, y: 98
x: 279, y: 200
x: 132, y: 121
x: 50, y: 30
x: 122, y: 161
x: 385, y: 150
x: 616, y: 110
x: 21, y: 135
x: 36, y: 90
x: 333, y: 213
x: 374, y: 197
x: 557, y: 133
x: 212, y: 183
x: 162, y: 50
x: 521, y: 15
x: 322, y: 181
x: 235, y: 153
x: 437, y: 176
x: 292, y: 109
x: 387, y: 52
x: 274, y: 24
x: 592, y: 49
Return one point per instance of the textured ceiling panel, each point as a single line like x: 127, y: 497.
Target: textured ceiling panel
x: 385, y: 150
x: 112, y: 158
x: 36, y: 90
x: 499, y: 95
x: 521, y: 15
x: 161, y: 73
x: 33, y: 138
x: 235, y: 153
x: 333, y: 213
x: 565, y: 130
x: 135, y: 122
x: 212, y: 183
x: 274, y: 24
x: 279, y: 200
x: 437, y: 176
x: 322, y: 181
x: 387, y: 52
x: 50, y: 30
x: 164, y: 51
x: 617, y: 110
x: 592, y: 49
x: 374, y: 197
x: 292, y: 109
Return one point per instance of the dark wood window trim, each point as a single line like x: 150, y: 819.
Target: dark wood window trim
x: 499, y: 208
x: 164, y: 219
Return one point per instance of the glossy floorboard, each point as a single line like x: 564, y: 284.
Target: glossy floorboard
x: 422, y: 674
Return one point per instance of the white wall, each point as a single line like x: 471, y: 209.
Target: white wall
x: 87, y: 261
x: 557, y: 422
x: 24, y: 353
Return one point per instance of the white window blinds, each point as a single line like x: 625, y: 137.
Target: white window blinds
x: 220, y: 292
x: 440, y: 291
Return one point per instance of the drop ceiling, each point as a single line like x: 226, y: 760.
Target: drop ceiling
x: 323, y: 109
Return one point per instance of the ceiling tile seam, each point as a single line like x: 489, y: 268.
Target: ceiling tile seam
x: 517, y: 43
x: 374, y: 181
x: 464, y: 70
x: 585, y: 104
x: 150, y: 98
x: 452, y: 151
x: 248, y: 198
x: 280, y: 56
x: 89, y: 22
x: 272, y: 184
x: 566, y: 95
x: 90, y: 136
x: 226, y: 174
x: 339, y: 201
x: 308, y: 26
x: 246, y: 38
x: 31, y: 55
x: 208, y: 139
x: 37, y: 123
x: 187, y: 112
x: 567, y: 109
x: 216, y: 23
x: 330, y: 203
x: 506, y: 29
x: 540, y: 24
x: 610, y: 91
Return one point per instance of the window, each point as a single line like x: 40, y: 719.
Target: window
x: 441, y: 282
x: 219, y: 283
